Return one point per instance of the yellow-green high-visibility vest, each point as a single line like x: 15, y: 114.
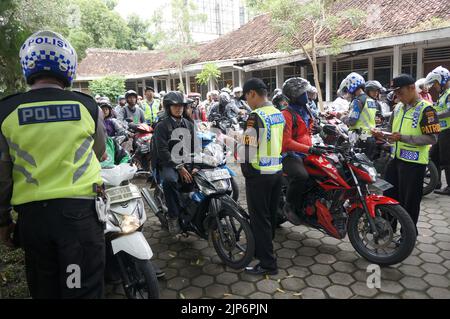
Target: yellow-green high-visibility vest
x: 51, y: 147
x: 268, y: 154
x: 408, y: 123
x: 441, y: 106
x: 367, y: 117
x: 151, y: 110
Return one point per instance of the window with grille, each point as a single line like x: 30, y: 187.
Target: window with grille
x: 409, y: 64
x: 269, y: 78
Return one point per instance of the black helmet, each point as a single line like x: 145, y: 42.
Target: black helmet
x: 174, y: 97
x: 130, y: 93
x: 224, y: 98
x: 293, y: 88
x: 277, y: 99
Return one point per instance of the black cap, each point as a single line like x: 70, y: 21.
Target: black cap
x: 252, y: 84
x: 149, y: 88
x: 401, y: 81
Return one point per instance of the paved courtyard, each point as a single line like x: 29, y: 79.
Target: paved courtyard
x: 311, y: 264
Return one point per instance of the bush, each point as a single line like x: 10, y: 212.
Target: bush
x: 110, y: 86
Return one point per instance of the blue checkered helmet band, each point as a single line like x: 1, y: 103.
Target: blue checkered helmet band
x: 354, y: 82
x: 49, y: 52
x: 444, y: 73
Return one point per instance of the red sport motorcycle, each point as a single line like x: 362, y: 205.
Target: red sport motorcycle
x: 340, y: 200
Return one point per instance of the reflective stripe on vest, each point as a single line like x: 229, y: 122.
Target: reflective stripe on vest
x: 408, y: 123
x: 442, y: 106
x: 51, y: 147
x: 268, y: 154
x: 151, y: 110
x: 366, y: 119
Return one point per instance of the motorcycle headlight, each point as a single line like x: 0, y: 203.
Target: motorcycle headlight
x: 371, y: 171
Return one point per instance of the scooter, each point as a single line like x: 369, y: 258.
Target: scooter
x: 128, y: 252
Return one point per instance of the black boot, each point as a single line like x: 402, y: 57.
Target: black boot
x: 445, y: 191
x: 289, y: 213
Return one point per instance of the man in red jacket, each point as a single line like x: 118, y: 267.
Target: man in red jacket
x: 297, y: 143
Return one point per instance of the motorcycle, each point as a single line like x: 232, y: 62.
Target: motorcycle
x: 211, y: 147
x: 141, y: 149
x: 339, y: 202
x: 382, y: 157
x: 128, y: 252
x: 209, y: 212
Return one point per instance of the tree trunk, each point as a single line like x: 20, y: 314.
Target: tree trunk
x: 316, y: 72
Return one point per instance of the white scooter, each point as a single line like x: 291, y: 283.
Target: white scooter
x: 128, y: 252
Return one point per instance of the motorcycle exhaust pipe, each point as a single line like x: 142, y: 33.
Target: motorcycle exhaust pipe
x: 148, y: 197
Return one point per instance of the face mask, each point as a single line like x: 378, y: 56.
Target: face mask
x: 302, y: 100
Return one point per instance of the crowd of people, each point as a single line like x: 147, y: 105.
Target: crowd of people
x: 52, y: 183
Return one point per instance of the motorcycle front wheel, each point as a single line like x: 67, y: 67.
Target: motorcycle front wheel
x: 138, y: 277
x: 232, y: 238
x: 396, y: 235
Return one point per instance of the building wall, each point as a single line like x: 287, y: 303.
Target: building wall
x: 377, y: 65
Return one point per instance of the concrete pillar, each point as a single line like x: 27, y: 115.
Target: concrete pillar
x: 188, y: 84
x: 370, y: 75
x: 328, y: 79
x: 155, y: 85
x: 397, y: 63
x: 241, y: 78
x: 303, y: 72
x: 279, y: 76
x: 420, y: 65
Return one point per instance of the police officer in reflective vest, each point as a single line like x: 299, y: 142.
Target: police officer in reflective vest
x: 51, y: 141
x: 150, y: 106
x: 415, y: 126
x: 261, y: 167
x: 363, y: 112
x: 439, y: 78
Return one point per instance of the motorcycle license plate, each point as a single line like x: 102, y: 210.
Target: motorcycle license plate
x: 145, y: 148
x: 382, y: 185
x: 217, y: 175
x: 123, y: 193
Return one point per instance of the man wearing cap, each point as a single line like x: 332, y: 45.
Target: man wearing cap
x: 261, y: 166
x: 414, y: 125
x: 150, y: 106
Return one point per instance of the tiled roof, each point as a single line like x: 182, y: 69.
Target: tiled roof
x: 256, y: 38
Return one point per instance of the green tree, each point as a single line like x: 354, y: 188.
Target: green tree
x: 312, y: 17
x: 111, y: 87
x: 209, y: 72
x: 111, y: 4
x: 139, y: 33
x: 106, y: 27
x: 18, y: 20
x: 178, y: 43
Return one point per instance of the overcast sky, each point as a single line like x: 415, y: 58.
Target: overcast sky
x: 143, y: 8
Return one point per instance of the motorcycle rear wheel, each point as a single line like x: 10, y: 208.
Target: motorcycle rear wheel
x: 431, y: 179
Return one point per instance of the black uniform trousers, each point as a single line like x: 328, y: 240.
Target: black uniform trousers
x: 63, y: 240
x: 440, y: 154
x: 263, y: 196
x: 407, y: 179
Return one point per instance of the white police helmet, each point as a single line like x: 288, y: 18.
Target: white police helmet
x: 48, y: 53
